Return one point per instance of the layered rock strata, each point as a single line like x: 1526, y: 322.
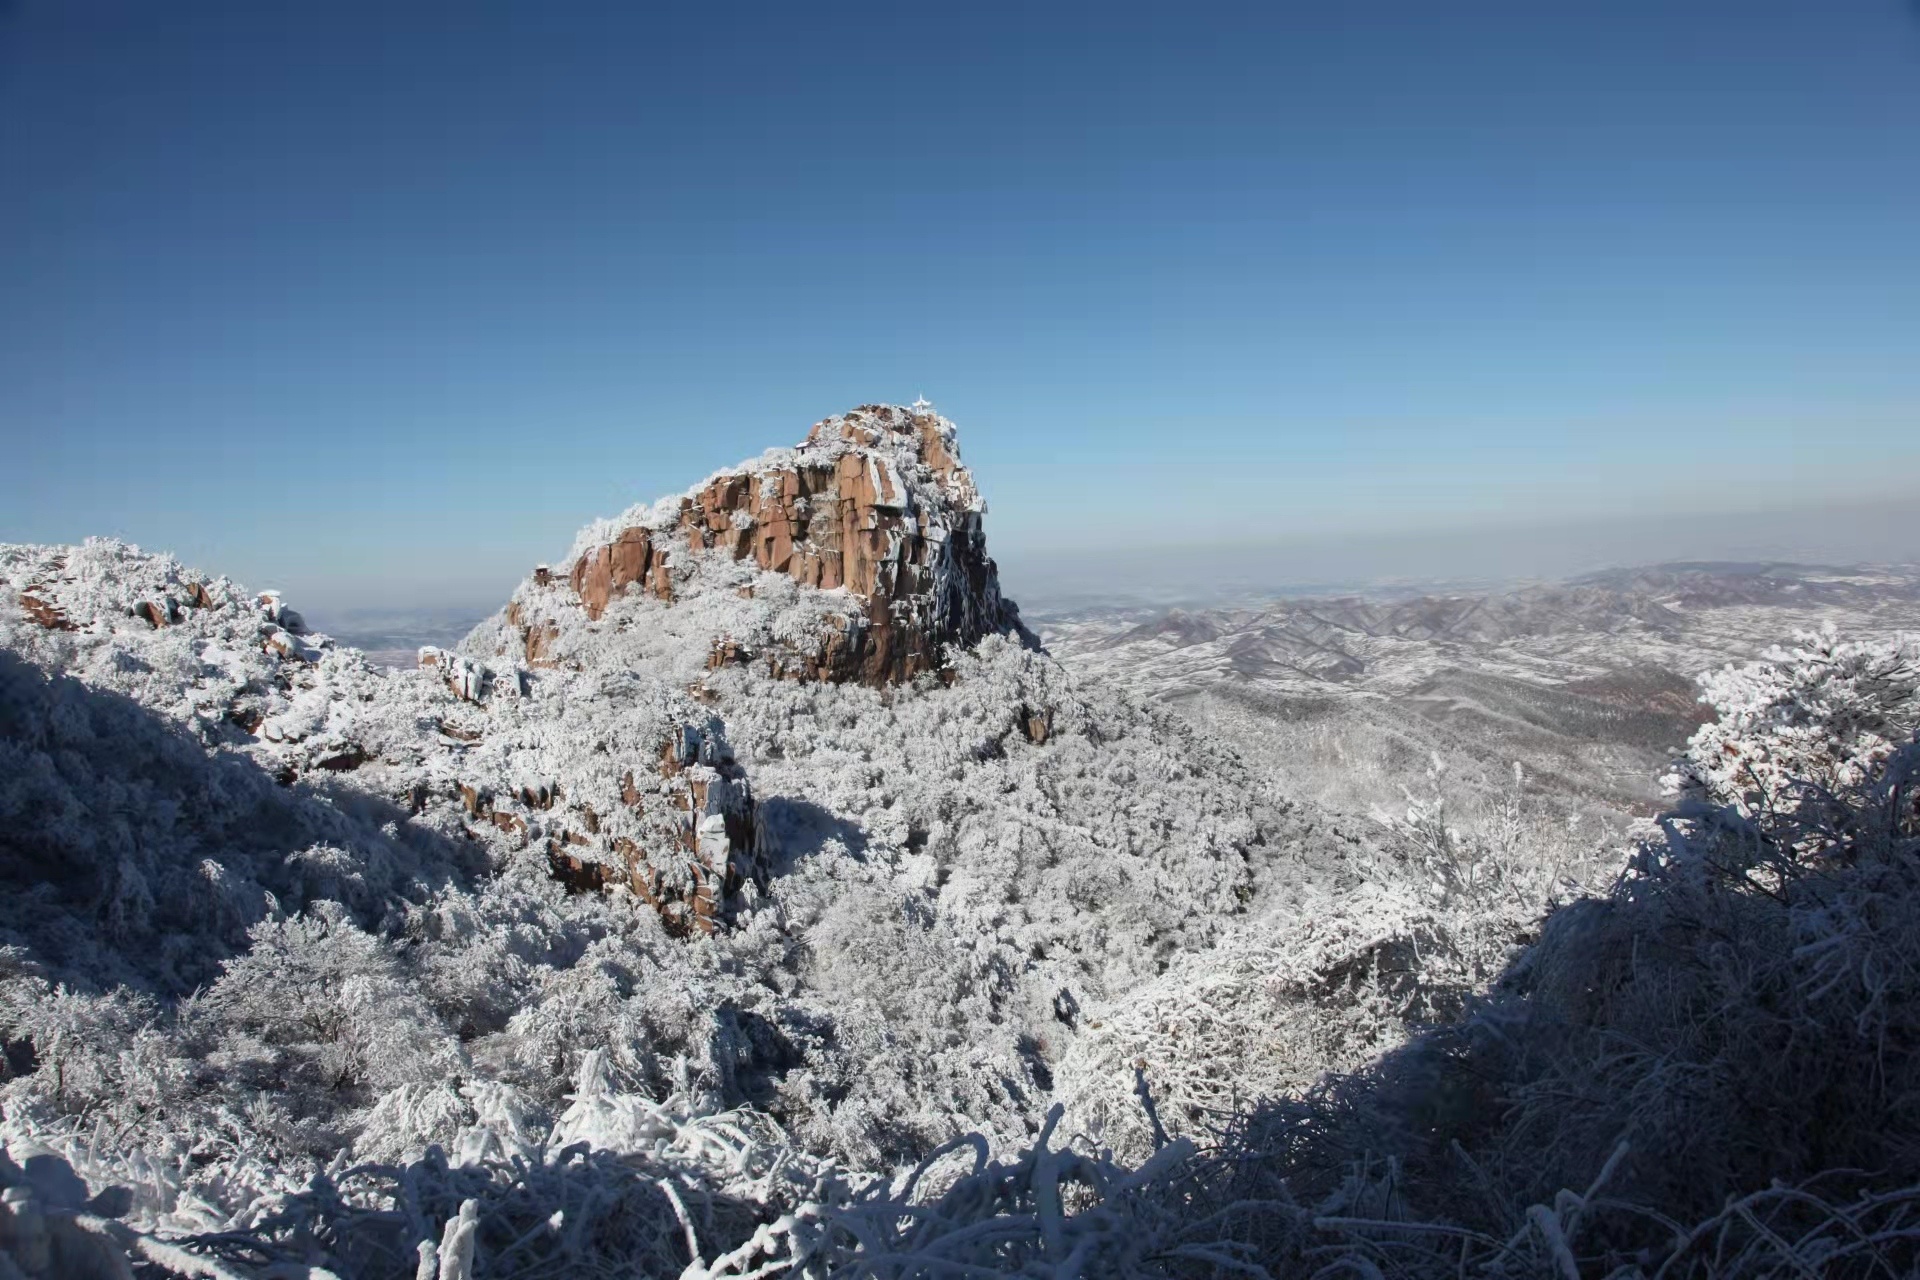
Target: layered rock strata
x: 874, y: 505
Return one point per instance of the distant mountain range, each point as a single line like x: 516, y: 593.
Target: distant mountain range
x: 1345, y: 638
x: 1590, y: 681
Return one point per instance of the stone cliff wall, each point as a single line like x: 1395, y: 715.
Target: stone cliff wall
x: 874, y: 503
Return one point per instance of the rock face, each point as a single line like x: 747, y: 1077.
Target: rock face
x: 705, y: 846
x: 873, y: 504
x: 682, y: 836
x: 466, y: 679
x: 673, y: 823
x: 855, y: 556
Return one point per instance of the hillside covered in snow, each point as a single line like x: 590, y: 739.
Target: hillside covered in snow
x: 1361, y: 703
x: 753, y: 895
x: 763, y: 799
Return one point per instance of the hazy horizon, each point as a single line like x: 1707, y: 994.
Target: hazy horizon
x: 1201, y: 576
x: 378, y: 307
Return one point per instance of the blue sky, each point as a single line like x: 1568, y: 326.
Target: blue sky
x: 378, y: 303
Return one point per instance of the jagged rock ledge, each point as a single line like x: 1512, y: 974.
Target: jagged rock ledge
x: 873, y: 505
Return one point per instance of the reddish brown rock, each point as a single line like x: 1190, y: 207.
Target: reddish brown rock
x: 540, y: 641
x: 705, y: 847
x: 284, y: 644
x: 875, y: 502
x: 50, y: 616
x: 631, y: 557
x: 537, y: 639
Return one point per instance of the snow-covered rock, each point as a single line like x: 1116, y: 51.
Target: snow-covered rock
x: 873, y: 513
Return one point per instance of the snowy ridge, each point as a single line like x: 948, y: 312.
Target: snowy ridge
x: 249, y: 873
x: 291, y: 982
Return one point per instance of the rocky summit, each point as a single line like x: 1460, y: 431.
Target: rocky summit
x: 588, y: 723
x: 873, y: 510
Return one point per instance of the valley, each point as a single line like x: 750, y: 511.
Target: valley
x: 1588, y: 686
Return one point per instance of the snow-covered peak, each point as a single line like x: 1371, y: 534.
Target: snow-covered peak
x: 909, y: 442
x: 872, y: 516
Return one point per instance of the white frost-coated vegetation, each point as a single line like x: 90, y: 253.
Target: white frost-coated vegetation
x: 1812, y: 723
x: 268, y: 973
x: 1706, y: 1071
x: 257, y: 935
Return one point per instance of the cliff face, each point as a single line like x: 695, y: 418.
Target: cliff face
x: 873, y: 508
x: 856, y: 556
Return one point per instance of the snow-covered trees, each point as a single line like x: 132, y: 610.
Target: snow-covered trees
x: 1808, y: 725
x: 1701, y: 1072
x: 281, y: 910
x: 318, y: 1004
x: 284, y: 956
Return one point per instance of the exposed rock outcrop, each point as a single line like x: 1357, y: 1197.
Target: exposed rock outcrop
x: 50, y: 616
x: 706, y: 844
x: 165, y: 608
x: 468, y: 680
x: 874, y: 505
x: 684, y: 839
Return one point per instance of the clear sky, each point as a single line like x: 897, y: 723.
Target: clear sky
x: 378, y: 302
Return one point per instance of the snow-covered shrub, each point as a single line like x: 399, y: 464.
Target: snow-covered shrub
x: 1265, y: 1013
x: 1690, y: 1038
x: 318, y: 1004
x: 1508, y: 867
x: 1808, y: 724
